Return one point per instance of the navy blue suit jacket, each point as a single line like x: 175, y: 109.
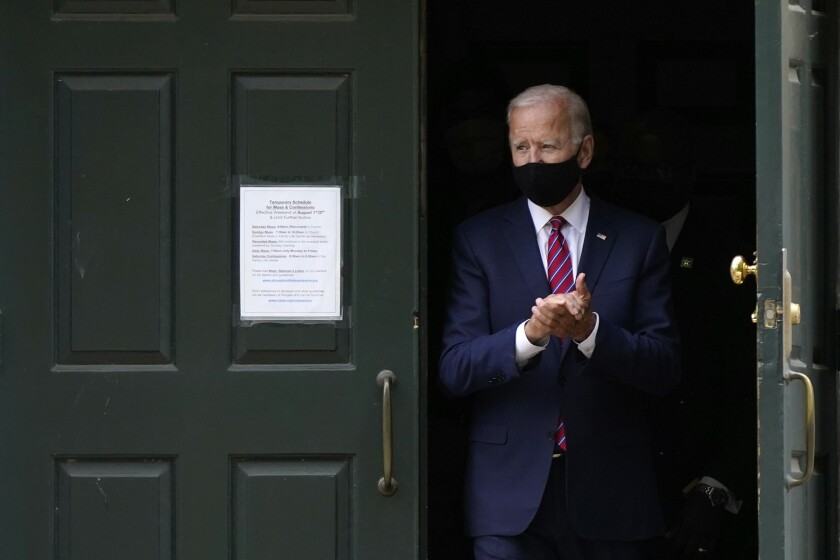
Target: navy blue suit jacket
x: 497, y: 275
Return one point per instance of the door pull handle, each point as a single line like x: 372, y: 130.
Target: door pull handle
x: 810, y: 429
x: 387, y: 484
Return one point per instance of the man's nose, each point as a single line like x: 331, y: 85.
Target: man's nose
x: 534, y: 155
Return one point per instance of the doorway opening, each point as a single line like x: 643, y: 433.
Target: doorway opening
x: 627, y: 60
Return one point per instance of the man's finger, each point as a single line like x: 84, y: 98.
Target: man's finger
x: 553, y: 305
x: 580, y: 286
x: 574, y: 307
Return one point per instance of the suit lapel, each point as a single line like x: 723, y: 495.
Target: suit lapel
x: 522, y: 243
x: 598, y: 243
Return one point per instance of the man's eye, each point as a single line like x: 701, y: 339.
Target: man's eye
x: 548, y: 147
x: 521, y: 148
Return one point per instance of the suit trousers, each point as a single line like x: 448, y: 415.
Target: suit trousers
x: 550, y: 536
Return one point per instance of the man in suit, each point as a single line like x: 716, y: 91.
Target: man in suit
x: 707, y: 472
x: 560, y: 373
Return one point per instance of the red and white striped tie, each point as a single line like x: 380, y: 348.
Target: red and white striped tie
x: 562, y: 280
x: 560, y: 275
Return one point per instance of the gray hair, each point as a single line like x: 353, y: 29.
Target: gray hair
x: 562, y: 97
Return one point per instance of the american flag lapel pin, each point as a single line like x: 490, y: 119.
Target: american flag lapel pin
x: 601, y: 236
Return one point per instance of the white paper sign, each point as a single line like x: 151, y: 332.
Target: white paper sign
x: 290, y: 252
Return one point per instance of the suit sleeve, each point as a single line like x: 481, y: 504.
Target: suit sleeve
x: 475, y: 356
x: 642, y: 351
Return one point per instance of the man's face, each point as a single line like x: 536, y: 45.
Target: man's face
x: 540, y: 133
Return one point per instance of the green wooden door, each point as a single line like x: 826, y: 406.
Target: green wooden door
x: 139, y: 416
x: 796, y: 208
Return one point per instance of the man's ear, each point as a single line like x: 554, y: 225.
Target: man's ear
x: 587, y: 150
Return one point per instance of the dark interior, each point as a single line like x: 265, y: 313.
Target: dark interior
x: 695, y: 59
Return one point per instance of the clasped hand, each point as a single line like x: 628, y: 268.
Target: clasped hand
x: 562, y: 315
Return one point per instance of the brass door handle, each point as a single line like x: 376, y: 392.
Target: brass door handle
x: 387, y: 484
x: 810, y: 428
x: 739, y: 270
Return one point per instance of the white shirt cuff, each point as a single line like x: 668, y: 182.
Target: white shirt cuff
x: 524, y: 349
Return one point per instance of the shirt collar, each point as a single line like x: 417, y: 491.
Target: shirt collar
x: 673, y: 226
x: 576, y: 215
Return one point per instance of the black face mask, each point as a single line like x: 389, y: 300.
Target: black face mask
x: 547, y: 184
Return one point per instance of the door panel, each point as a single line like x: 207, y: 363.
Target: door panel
x: 265, y: 109
x: 114, y: 276
x: 139, y: 417
x: 794, y: 208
